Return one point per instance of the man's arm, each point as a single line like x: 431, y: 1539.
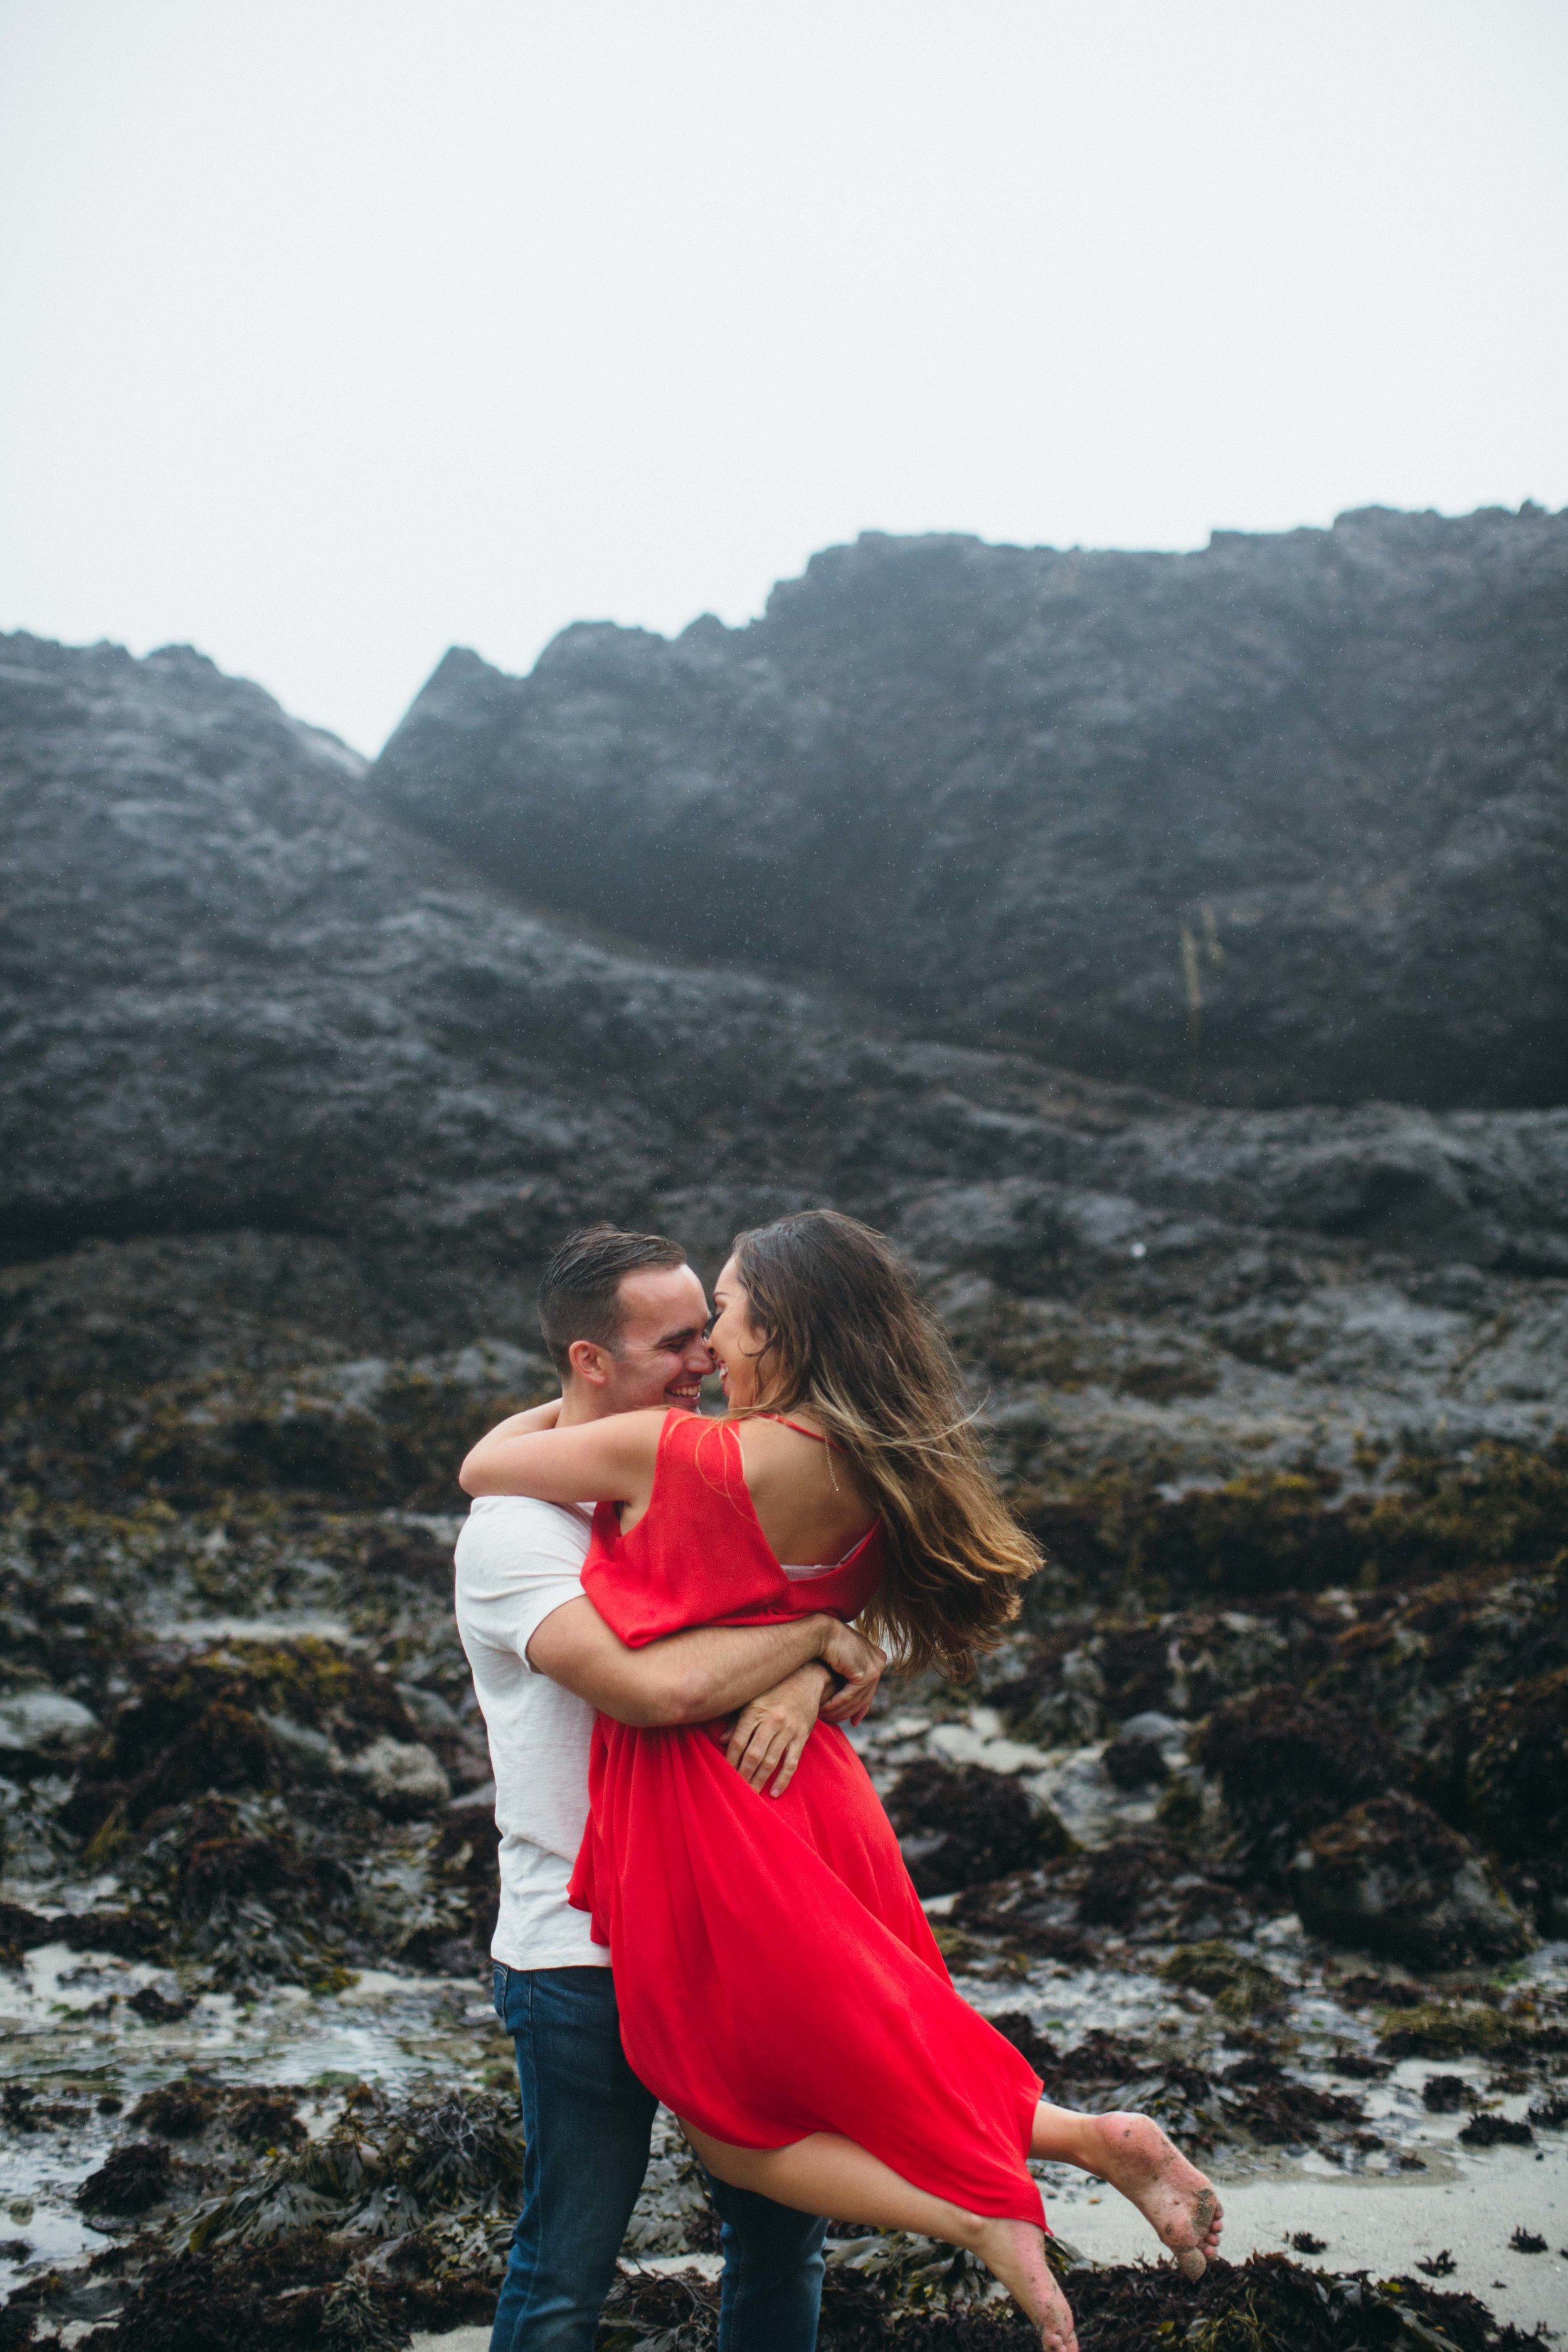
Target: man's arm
x: 690, y: 1678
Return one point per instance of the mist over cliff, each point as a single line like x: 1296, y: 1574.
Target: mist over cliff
x: 1282, y: 821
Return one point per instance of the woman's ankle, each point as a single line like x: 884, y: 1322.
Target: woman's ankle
x: 1067, y: 2135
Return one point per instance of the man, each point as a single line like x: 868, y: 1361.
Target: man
x: 623, y: 1316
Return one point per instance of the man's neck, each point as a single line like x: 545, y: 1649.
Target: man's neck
x: 579, y: 1402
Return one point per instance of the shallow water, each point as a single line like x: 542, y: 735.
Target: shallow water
x: 66, y: 2028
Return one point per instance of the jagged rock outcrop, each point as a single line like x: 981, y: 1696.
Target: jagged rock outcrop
x: 236, y: 997
x: 277, y: 1074
x: 1283, y: 821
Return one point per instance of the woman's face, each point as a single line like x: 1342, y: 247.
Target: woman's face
x: 734, y: 1339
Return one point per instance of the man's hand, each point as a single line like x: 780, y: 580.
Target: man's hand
x: 769, y: 1736
x: 858, y: 1664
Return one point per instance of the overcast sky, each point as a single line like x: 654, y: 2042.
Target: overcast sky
x: 339, y: 330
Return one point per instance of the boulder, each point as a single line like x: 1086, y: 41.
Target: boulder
x: 960, y: 1825
x: 44, y: 1724
x: 1392, y: 1878
x: 1278, y: 821
x: 1289, y: 1764
x: 1516, y: 1780
x: 401, y: 1777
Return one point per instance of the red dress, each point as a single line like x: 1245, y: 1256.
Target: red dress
x: 775, y: 1970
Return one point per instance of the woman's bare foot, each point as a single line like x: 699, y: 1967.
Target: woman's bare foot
x: 1135, y: 2156
x: 1014, y: 2252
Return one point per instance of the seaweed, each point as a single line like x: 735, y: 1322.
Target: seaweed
x: 960, y: 1825
x: 1290, y: 1764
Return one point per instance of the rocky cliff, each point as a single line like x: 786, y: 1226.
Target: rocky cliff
x: 279, y: 1075
x: 293, y: 1099
x: 1284, y: 821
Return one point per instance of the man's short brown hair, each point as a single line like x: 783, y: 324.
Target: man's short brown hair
x: 580, y: 1296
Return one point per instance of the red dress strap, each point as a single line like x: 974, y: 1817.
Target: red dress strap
x: 697, y: 1555
x: 800, y: 1430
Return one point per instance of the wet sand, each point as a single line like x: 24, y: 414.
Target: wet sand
x: 1385, y: 2227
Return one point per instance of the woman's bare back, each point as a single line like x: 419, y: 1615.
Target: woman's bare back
x: 809, y: 1502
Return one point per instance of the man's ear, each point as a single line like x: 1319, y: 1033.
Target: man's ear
x: 589, y: 1362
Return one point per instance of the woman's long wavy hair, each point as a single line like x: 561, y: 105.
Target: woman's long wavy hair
x: 847, y: 1339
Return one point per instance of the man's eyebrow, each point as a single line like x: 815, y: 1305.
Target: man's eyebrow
x: 679, y: 1338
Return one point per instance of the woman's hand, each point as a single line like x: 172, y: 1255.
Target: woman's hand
x: 770, y: 1735
x: 859, y: 1665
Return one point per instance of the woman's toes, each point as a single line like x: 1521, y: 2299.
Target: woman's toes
x: 1058, y: 2332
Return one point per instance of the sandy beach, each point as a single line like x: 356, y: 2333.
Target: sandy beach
x: 1382, y: 2226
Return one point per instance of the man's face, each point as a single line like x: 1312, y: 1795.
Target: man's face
x: 662, y: 1358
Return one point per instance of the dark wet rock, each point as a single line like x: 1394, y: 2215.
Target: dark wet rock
x: 1114, y: 1887
x: 1289, y: 1764
x: 1141, y: 1887
x: 1016, y: 2026
x: 1135, y: 1763
x: 960, y: 1825
x: 1497, y: 2131
x: 1391, y: 1878
x: 1126, y: 741
x: 257, y: 1716
x: 195, y: 2303
x: 191, y: 2105
x: 267, y: 2119
x: 1444, y: 2095
x: 132, y: 2179
x: 1357, y: 2066
x: 1515, y: 1786
x: 21, y: 1931
x: 156, y: 2007
x: 177, y: 2110
x: 129, y: 1935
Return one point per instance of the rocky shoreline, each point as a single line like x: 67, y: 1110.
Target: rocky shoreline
x: 1283, y: 1871
x: 1260, y: 1820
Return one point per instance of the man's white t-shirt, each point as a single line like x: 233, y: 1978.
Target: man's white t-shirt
x: 518, y: 1561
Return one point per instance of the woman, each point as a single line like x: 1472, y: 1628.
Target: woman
x: 779, y: 1986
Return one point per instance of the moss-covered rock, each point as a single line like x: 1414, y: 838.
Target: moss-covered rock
x: 1289, y: 1764
x: 960, y: 1825
x: 1239, y: 1986
x: 1392, y: 1878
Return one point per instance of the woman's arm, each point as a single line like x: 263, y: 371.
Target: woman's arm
x: 608, y: 1461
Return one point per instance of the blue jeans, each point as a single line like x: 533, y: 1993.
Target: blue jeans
x: 588, y: 2121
